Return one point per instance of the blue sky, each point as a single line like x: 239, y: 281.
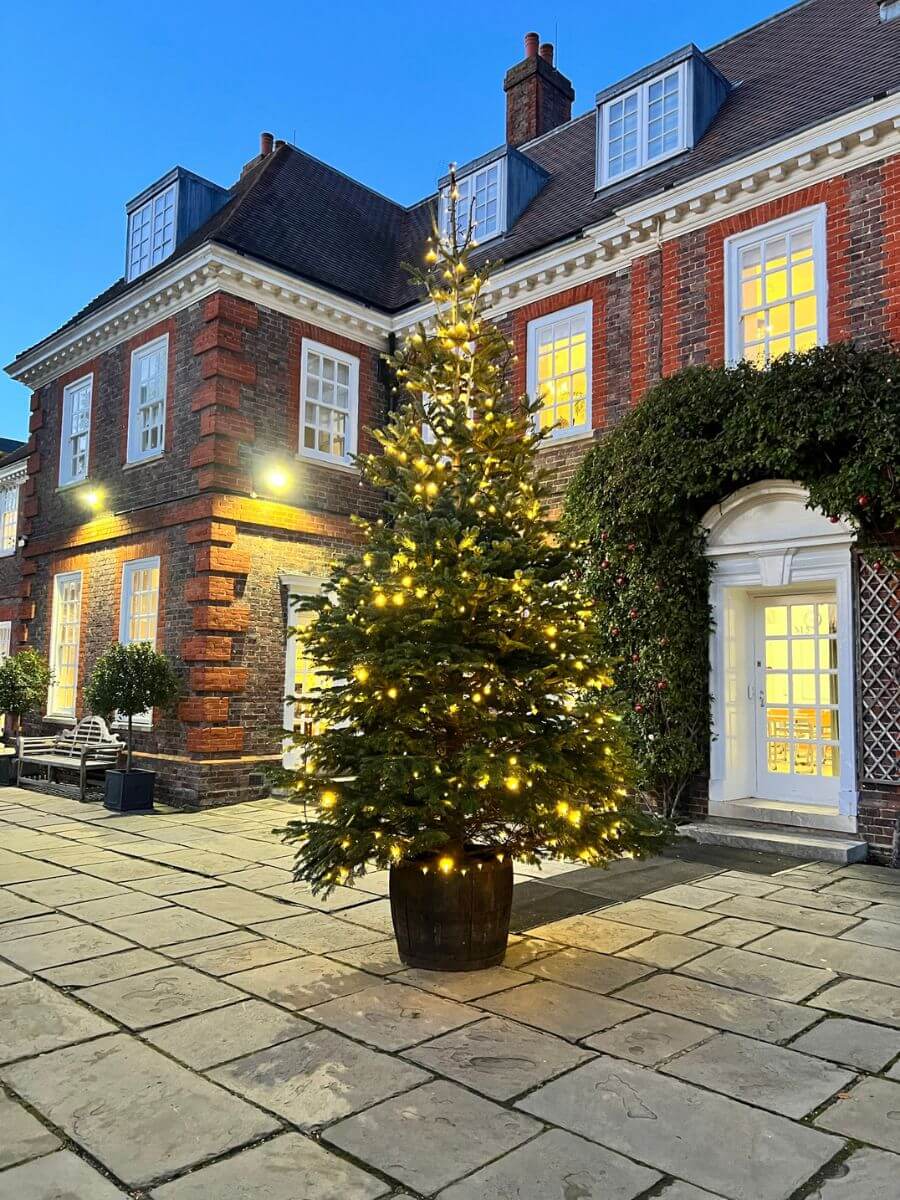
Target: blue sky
x: 98, y: 99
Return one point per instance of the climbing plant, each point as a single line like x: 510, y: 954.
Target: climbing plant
x: 828, y: 419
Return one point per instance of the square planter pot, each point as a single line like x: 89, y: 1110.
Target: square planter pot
x: 8, y: 770
x: 129, y: 791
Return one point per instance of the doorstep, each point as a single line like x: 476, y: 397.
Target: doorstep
x: 812, y: 817
x: 819, y: 845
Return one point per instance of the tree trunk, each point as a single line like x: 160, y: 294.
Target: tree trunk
x: 128, y: 756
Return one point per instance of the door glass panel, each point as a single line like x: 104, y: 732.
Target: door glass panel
x: 803, y: 655
x: 776, y: 620
x: 776, y: 655
x: 777, y: 689
x: 803, y: 618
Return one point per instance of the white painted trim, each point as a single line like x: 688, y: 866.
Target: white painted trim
x: 741, y: 575
x: 58, y: 581
x: 308, y: 346
x: 444, y: 205
x: 296, y: 585
x: 132, y: 454
x: 142, y: 720
x: 684, y: 70
x: 586, y: 310
x: 842, y: 144
x: 65, y: 436
x: 817, y: 218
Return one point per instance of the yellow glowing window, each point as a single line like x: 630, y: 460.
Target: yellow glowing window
x: 559, y: 357
x: 776, y: 301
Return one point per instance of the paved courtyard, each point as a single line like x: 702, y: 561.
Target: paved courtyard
x: 178, y: 1020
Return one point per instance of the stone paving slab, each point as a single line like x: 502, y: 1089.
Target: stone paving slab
x: 34, y: 1018
x: 60, y: 1176
x: 433, y: 1136
x: 166, y: 926
x: 865, y: 1175
x: 319, y: 1078
x: 723, y: 1008
x: 706, y: 1139
x: 685, y: 1191
x: 13, y: 931
x: 863, y: 889
x: 212, y: 1038
x: 170, y: 883
x: 62, y: 946
x: 824, y: 903
x: 566, y: 1011
x: 10, y: 975
x: 668, y: 950
x: 877, y: 1002
x: 299, y: 983
x: 228, y: 959
x: 750, y: 972
x: 884, y: 912
x: 870, y: 1112
x: 23, y: 1137
x: 855, y: 1043
x: 381, y: 958
x: 67, y: 889
x: 594, y: 972
x: 885, y: 934
x: 790, y: 916
x: 687, y: 895
x: 100, y: 912
x: 19, y: 869
x: 651, y: 1039
x: 734, y: 931
x: 94, y: 1093
x: 215, y: 941
x: 771, y: 1077
x: 392, y: 1016
x: 103, y: 969
x: 664, y: 918
x: 317, y: 933
x: 739, y: 883
x: 836, y: 954
x: 592, y: 933
x: 167, y: 994
x: 463, y: 985
x: 498, y: 1058
x: 235, y: 905
x: 556, y: 1164
x: 289, y: 1167
x: 14, y: 908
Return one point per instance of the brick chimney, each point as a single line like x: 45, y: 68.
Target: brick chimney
x: 538, y: 97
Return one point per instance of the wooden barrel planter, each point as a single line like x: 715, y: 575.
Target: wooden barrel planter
x: 452, y: 922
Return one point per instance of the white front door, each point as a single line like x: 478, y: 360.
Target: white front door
x: 797, y: 722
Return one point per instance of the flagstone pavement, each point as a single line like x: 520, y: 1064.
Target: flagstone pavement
x: 178, y: 1020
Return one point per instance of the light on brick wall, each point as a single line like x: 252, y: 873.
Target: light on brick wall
x: 92, y: 498
x: 277, y: 477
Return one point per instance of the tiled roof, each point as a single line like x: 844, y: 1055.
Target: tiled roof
x: 816, y: 60
x: 12, y: 451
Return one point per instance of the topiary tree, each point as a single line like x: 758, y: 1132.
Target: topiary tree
x: 469, y: 697
x: 24, y: 680
x: 127, y: 680
x: 828, y: 419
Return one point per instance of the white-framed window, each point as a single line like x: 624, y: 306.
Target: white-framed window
x: 139, y: 613
x: 151, y: 231
x: 147, y: 400
x: 329, y: 401
x: 75, y: 438
x: 5, y: 639
x: 481, y: 196
x: 9, y: 514
x: 559, y: 369
x: 644, y: 126
x: 65, y: 640
x: 776, y: 298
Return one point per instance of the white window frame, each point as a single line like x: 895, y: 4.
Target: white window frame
x: 159, y: 247
x: 585, y: 310
x: 130, y: 568
x: 5, y: 640
x: 307, y: 347
x: 159, y: 345
x: 470, y: 181
x: 68, y: 476
x: 10, y: 490
x: 56, y: 711
x: 815, y: 218
x: 642, y: 91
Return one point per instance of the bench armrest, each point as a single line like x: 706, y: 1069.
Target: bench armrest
x: 25, y: 745
x: 105, y: 752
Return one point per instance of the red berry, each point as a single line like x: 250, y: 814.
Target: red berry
x: 662, y: 685
x: 614, y: 632
x: 863, y: 501
x: 605, y: 564
x: 834, y: 520
x: 639, y: 708
x: 635, y: 658
x: 620, y: 580
x: 603, y: 536
x: 632, y: 546
x: 876, y: 566
x: 633, y: 613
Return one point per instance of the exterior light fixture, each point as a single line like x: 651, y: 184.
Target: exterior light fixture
x: 277, y: 478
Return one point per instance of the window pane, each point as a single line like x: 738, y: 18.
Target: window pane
x: 561, y: 372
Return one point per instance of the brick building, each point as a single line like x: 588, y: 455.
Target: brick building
x: 192, y: 428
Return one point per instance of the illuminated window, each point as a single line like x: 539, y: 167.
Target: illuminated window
x: 9, y: 515
x: 65, y: 639
x: 139, y: 613
x: 776, y: 289
x: 147, y: 403
x: 480, y: 197
x: 643, y: 126
x: 559, y: 369
x: 329, y: 390
x: 151, y: 231
x: 76, y: 431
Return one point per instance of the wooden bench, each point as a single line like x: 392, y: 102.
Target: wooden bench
x: 85, y: 750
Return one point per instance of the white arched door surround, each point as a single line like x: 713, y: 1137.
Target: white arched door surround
x: 781, y: 660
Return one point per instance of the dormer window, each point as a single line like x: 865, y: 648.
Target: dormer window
x: 657, y: 113
x: 481, y: 198
x: 643, y: 126
x: 151, y: 231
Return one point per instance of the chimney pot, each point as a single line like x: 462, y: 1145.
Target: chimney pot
x: 266, y: 141
x: 547, y: 52
x: 531, y: 45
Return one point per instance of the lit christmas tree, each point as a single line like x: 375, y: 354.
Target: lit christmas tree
x: 465, y: 704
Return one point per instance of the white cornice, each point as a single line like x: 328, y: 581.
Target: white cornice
x: 15, y: 473
x: 867, y: 135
